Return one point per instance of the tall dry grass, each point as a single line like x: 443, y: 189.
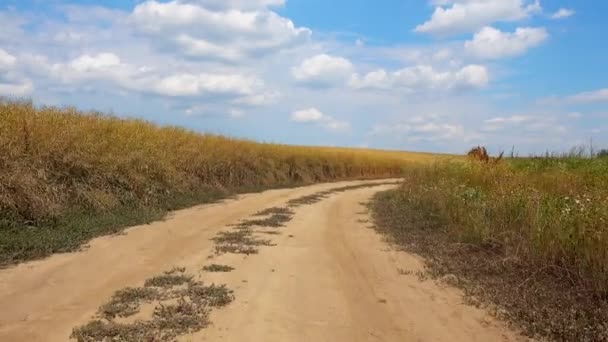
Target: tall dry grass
x: 58, y: 163
x: 531, y: 233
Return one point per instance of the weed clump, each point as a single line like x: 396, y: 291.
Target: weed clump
x: 126, y: 302
x: 218, y: 268
x: 189, y: 313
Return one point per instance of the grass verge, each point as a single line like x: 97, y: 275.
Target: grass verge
x: 67, y: 176
x: 526, y: 238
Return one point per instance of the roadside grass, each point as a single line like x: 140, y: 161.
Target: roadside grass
x: 218, y: 268
x: 67, y: 176
x: 528, y: 237
x: 181, y: 306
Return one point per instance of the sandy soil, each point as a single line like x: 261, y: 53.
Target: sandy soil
x: 329, y: 278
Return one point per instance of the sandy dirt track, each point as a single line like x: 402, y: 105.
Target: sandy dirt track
x: 329, y: 278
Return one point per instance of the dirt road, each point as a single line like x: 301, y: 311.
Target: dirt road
x: 327, y: 278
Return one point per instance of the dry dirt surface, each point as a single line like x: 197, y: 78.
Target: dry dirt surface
x: 325, y: 276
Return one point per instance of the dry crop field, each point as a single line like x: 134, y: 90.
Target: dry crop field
x: 67, y: 176
x: 528, y: 235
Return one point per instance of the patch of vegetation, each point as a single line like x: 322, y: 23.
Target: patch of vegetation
x: 126, y: 302
x: 243, y: 241
x: 188, y: 314
x: 319, y: 196
x: 235, y: 249
x: 240, y: 237
x: 213, y: 295
x: 168, y: 280
x: 56, y: 194
x: 98, y: 330
x: 275, y: 211
x: 276, y: 220
x: 218, y: 268
x: 526, y: 235
x: 268, y: 232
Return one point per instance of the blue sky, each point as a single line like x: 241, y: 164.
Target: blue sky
x: 436, y: 75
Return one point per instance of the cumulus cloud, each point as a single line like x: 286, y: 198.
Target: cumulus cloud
x: 19, y: 88
x: 323, y: 70
x: 424, y: 78
x: 259, y: 99
x: 458, y: 16
x: 204, y: 83
x: 12, y: 84
x: 563, y: 13
x: 587, y: 97
x: 239, y: 4
x: 221, y: 32
x: 102, y: 61
x: 425, y: 128
x: 490, y: 43
x: 313, y: 115
x: 108, y: 67
x: 6, y: 60
x: 600, y: 95
x: 307, y: 115
x: 528, y: 123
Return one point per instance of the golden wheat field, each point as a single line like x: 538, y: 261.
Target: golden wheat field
x: 60, y: 163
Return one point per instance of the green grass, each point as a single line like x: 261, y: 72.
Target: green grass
x: 71, y: 230
x: 529, y: 235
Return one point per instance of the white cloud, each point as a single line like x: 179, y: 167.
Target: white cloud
x: 256, y: 100
x: 236, y: 113
x: 458, y: 16
x: 217, y: 29
x: 102, y: 61
x: 307, y: 115
x: 507, y: 120
x: 424, y: 78
x: 499, y: 123
x: 12, y: 84
x: 313, y: 115
x: 323, y: 70
x: 563, y: 13
x: 429, y: 128
x: 536, y: 122
x: 16, y: 89
x: 600, y: 95
x: 490, y: 43
x: 6, y: 60
x: 108, y: 67
x: 239, y: 4
x: 198, y: 84
x: 201, y: 48
x: 378, y: 79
